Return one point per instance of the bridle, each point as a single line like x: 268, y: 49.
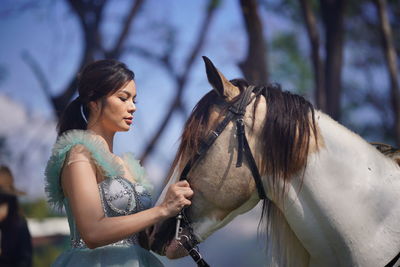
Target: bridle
x: 235, y: 112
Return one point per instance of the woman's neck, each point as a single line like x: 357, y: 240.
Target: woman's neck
x: 108, y: 136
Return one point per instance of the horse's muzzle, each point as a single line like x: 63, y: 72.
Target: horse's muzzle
x: 162, y: 241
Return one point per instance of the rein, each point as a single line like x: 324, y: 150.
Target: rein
x: 235, y: 112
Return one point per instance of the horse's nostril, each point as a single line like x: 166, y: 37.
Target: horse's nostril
x: 162, y: 235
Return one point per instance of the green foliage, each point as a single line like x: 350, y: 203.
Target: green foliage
x: 289, y: 65
x: 45, y: 255
x: 214, y: 4
x: 38, y: 209
x: 365, y: 84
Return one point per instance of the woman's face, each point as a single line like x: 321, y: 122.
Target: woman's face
x: 115, y: 112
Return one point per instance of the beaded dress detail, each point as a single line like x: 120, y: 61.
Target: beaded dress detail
x: 119, y: 197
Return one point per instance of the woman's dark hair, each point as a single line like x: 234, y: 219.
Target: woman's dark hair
x: 95, y: 81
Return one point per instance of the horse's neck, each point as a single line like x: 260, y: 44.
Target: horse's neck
x: 348, y: 200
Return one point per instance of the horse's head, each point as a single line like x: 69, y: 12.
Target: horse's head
x: 222, y: 190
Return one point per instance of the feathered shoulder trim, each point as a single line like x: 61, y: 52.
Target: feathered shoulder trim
x: 100, y: 155
x: 137, y: 170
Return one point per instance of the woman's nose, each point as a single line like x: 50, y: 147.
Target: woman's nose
x: 132, y: 108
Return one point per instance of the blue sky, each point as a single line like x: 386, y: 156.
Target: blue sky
x: 51, y: 35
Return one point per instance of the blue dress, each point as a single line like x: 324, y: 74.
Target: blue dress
x: 119, y: 197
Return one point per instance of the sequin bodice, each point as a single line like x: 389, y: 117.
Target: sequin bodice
x: 119, y: 197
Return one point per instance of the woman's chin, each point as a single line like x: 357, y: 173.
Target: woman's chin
x: 124, y: 128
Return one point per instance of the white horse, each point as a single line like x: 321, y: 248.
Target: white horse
x: 333, y: 197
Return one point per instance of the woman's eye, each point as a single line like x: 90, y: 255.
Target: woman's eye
x: 123, y: 99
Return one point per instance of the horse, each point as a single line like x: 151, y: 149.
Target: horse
x: 332, y: 198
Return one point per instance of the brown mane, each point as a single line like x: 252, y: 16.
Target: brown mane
x: 286, y: 133
x: 197, y: 126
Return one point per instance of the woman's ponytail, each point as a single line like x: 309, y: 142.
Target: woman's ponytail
x: 73, y: 117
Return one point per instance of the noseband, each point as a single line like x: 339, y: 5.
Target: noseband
x: 235, y: 113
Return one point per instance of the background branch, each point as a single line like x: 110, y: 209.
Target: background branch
x: 176, y: 103
x: 254, y: 66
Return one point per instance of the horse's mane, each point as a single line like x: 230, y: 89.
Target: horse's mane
x: 286, y: 136
x: 197, y: 126
x: 287, y: 132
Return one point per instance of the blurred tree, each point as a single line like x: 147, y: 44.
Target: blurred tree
x: 332, y: 12
x: 391, y: 62
x: 375, y: 95
x: 327, y: 67
x: 314, y: 40
x: 327, y: 23
x: 38, y: 209
x: 90, y: 15
x: 291, y: 67
x: 254, y: 66
x: 180, y: 78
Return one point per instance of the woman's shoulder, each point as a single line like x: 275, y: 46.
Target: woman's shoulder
x: 78, y: 143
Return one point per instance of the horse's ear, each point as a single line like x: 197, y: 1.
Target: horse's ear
x: 221, y: 85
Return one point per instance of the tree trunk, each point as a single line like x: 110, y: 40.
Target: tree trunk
x: 318, y: 66
x: 391, y: 61
x: 333, y: 16
x: 254, y: 67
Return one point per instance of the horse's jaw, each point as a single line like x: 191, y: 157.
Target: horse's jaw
x: 206, y: 226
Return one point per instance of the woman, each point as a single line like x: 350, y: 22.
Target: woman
x: 106, y: 198
x: 15, y: 239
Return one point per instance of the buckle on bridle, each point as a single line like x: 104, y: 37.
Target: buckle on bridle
x: 215, y: 133
x: 190, y: 246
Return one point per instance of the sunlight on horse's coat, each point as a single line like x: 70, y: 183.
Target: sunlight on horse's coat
x: 340, y: 208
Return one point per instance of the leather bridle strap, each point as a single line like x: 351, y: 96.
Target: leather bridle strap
x: 253, y: 167
x: 393, y: 261
x: 193, y: 252
x: 236, y: 111
x: 206, y: 145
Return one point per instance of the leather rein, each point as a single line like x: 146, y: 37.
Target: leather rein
x: 235, y: 113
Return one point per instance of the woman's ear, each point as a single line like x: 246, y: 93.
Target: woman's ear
x: 92, y: 105
x: 94, y: 109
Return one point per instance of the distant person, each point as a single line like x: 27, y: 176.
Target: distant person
x: 16, y: 242
x: 106, y: 197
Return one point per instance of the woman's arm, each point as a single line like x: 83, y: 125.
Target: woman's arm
x: 80, y: 186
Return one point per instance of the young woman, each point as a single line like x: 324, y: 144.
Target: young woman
x: 106, y: 198
x: 15, y: 239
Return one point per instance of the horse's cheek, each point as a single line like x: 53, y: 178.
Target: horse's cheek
x: 224, y: 190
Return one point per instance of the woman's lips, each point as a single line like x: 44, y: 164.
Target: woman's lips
x: 128, y: 120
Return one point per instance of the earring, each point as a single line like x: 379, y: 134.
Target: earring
x: 83, y: 114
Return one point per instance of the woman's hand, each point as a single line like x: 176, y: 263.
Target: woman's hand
x: 177, y: 198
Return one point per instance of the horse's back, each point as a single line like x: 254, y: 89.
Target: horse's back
x: 389, y: 151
